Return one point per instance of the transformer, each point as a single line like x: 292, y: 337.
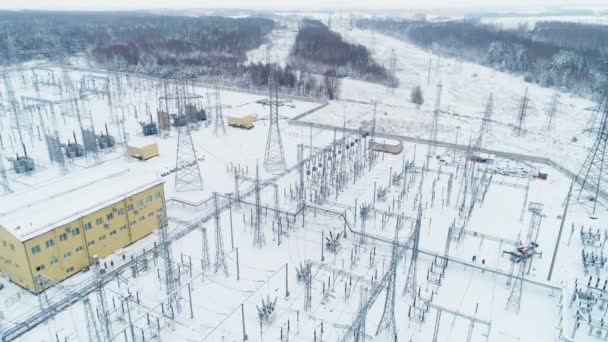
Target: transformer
x: 148, y: 128
x: 195, y: 115
x: 105, y: 141
x: 73, y: 150
x: 23, y: 164
x: 179, y: 120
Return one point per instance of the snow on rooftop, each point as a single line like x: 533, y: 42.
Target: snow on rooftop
x: 41, y: 208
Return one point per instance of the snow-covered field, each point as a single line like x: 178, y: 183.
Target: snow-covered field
x: 469, y: 299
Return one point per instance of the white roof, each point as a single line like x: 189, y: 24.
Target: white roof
x: 139, y: 141
x: 41, y: 208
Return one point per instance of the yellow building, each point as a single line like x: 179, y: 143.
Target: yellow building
x: 143, y: 151
x: 54, y: 229
x: 245, y: 122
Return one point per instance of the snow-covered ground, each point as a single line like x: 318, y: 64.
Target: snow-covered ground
x: 466, y: 88
x: 472, y: 293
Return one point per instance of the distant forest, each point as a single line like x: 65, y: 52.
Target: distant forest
x: 323, y: 51
x: 206, y: 48
x: 211, y: 49
x: 552, y: 54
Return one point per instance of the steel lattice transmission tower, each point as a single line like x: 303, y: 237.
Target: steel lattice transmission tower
x: 359, y: 330
x: 387, y: 321
x: 220, y: 255
x: 411, y: 283
x: 205, y: 259
x: 436, y: 113
x: 434, y: 124
x: 552, y: 109
x: 91, y: 320
x: 219, y: 123
x: 170, y: 278
x: 187, y: 170
x: 597, y: 113
x: 258, y: 234
x: 486, y: 121
x: 392, y: 81
x: 102, y: 302
x: 519, y: 127
x: 514, y: 300
x: 592, y: 179
x: 274, y: 156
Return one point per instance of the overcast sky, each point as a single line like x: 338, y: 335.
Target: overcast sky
x: 292, y: 4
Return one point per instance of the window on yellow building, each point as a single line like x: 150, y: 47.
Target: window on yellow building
x: 112, y: 233
x: 140, y: 203
x: 91, y: 243
x: 35, y: 249
x: 67, y: 255
x: 149, y: 199
x: 76, y: 231
x: 101, y: 238
x: 53, y: 260
x: 98, y: 221
x: 130, y: 207
x: 39, y: 268
x: 123, y: 227
x: 70, y: 270
x: 79, y: 249
x: 157, y: 195
x: 63, y: 237
x: 110, y: 216
x: 49, y: 243
x: 88, y: 226
x: 120, y: 211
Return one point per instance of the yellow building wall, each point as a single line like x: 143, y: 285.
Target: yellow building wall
x: 13, y: 260
x: 57, y: 254
x: 106, y: 230
x: 144, y: 210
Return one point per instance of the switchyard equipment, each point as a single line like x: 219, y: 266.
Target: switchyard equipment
x: 332, y: 242
x: 195, y: 115
x: 73, y: 150
x: 178, y: 120
x: 23, y: 164
x: 106, y: 141
x: 149, y: 128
